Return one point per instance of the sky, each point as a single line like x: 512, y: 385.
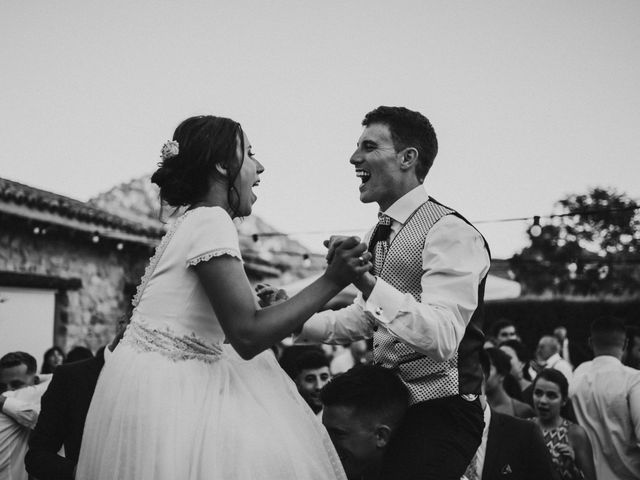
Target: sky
x: 530, y: 100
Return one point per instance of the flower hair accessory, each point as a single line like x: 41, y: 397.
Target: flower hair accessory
x: 170, y: 149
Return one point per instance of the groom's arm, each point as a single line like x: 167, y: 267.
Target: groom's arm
x: 454, y: 261
x: 346, y: 325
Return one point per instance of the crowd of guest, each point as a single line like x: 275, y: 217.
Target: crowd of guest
x: 546, y: 415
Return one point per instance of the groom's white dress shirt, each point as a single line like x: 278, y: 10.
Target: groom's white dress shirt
x: 454, y: 262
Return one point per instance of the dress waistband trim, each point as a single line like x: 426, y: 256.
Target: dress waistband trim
x: 164, y: 341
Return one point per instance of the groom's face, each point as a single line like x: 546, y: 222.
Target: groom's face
x: 378, y: 166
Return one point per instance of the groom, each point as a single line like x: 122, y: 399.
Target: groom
x: 423, y: 301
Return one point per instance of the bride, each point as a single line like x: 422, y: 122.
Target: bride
x: 193, y: 391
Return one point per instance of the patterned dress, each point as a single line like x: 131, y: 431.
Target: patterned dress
x: 563, y: 464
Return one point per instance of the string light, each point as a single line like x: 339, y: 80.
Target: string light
x: 95, y: 238
x: 535, y: 229
x: 535, y: 219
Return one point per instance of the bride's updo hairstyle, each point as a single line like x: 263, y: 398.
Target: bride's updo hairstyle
x: 203, y: 142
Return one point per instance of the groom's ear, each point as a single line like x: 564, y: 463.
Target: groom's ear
x: 409, y: 158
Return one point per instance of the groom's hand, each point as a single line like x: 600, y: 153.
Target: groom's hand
x: 333, y: 243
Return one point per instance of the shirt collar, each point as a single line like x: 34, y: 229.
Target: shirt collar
x: 407, y: 204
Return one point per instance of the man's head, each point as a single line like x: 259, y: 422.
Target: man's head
x: 560, y: 333
x: 518, y: 354
x: 504, y: 330
x: 608, y: 337
x: 499, y: 368
x: 394, y: 154
x: 548, y: 345
x: 311, y: 373
x: 362, y: 410
x: 17, y: 370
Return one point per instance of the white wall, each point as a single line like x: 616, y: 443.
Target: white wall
x: 26, y: 321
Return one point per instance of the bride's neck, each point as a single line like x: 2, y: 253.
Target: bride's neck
x: 215, y: 197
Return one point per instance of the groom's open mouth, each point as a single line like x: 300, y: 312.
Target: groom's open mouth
x: 363, y: 175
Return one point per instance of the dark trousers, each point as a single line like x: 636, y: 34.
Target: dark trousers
x: 436, y: 441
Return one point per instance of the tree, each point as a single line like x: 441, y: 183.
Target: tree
x: 590, y: 246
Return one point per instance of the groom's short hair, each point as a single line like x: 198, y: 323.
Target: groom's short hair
x: 371, y: 390
x: 408, y: 129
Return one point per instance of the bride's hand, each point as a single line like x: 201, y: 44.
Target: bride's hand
x: 349, y: 262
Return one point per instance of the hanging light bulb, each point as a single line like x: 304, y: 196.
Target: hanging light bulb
x: 535, y: 229
x: 95, y: 238
x: 573, y: 269
x: 119, y: 245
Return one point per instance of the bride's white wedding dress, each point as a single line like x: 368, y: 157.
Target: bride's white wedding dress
x: 175, y: 403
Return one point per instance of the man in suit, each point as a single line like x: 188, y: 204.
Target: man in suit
x: 422, y: 303
x: 511, y: 448
x: 64, y: 411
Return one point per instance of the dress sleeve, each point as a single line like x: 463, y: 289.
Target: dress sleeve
x: 212, y: 234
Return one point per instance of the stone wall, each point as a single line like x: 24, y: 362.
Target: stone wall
x: 87, y: 316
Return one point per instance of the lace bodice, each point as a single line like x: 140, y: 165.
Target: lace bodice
x: 170, y: 294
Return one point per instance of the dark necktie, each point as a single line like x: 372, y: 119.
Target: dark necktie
x: 379, y: 244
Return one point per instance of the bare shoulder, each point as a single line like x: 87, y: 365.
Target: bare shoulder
x: 577, y: 434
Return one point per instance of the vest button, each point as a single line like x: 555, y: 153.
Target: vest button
x: 375, y: 328
x: 376, y: 345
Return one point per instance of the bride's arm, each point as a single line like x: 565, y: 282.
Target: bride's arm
x: 249, y: 329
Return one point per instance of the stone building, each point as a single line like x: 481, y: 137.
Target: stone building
x: 68, y: 269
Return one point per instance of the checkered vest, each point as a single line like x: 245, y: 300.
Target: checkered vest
x: 426, y: 378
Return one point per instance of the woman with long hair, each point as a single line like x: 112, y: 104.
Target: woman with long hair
x: 51, y: 359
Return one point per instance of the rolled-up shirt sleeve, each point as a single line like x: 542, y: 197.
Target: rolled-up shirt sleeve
x: 454, y: 262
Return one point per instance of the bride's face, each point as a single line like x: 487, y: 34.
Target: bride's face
x: 248, y: 178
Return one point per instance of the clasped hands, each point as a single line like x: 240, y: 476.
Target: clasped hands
x: 348, y: 261
x: 350, y: 254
